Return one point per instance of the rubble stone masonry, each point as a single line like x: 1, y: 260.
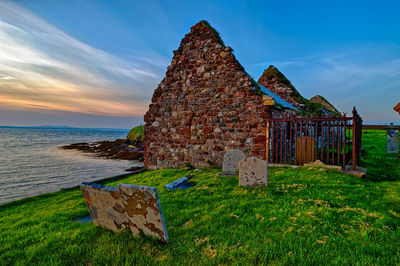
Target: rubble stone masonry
x: 205, y: 105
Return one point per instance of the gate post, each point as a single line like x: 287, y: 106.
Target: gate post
x: 267, y: 142
x: 353, y: 167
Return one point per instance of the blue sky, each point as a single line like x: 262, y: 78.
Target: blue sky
x: 97, y: 63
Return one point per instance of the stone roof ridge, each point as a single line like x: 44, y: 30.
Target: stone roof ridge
x: 204, y: 26
x: 201, y: 54
x: 272, y: 77
x: 324, y: 102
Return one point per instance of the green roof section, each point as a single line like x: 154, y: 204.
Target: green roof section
x: 328, y: 105
x: 273, y: 72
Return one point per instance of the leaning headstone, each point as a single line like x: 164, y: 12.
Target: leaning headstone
x: 105, y: 206
x: 128, y: 206
x: 230, y: 165
x: 253, y: 172
x: 144, y: 210
x: 392, y: 139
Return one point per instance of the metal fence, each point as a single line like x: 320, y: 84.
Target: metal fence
x: 293, y: 139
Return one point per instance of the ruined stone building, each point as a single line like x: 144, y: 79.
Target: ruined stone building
x: 275, y: 81
x: 205, y: 105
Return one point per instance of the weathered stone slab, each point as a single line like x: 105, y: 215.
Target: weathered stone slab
x: 181, y: 183
x: 105, y: 206
x: 230, y: 164
x: 392, y: 139
x: 128, y: 206
x: 253, y: 172
x: 144, y: 212
x: 358, y: 172
x: 318, y: 163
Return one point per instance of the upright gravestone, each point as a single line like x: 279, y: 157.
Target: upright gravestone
x: 230, y: 165
x: 253, y: 172
x: 392, y: 139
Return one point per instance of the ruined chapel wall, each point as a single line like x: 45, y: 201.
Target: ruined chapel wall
x: 204, y: 106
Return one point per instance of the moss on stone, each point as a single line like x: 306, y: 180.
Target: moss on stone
x: 272, y: 72
x: 214, y: 31
x: 332, y: 108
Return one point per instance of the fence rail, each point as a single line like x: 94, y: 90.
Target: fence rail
x: 293, y: 139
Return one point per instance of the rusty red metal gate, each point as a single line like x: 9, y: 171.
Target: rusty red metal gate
x: 293, y: 139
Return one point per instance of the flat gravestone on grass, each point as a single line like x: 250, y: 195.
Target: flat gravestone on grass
x: 253, y: 172
x: 230, y: 165
x: 144, y: 212
x: 128, y: 206
x: 181, y: 183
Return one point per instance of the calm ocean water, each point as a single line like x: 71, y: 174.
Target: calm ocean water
x: 31, y: 162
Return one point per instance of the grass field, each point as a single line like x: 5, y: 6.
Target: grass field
x: 303, y: 217
x: 381, y: 166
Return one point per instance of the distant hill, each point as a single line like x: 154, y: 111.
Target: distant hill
x: 54, y: 126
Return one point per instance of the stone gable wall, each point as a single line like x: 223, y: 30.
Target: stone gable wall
x: 324, y: 102
x: 205, y: 105
x: 272, y: 79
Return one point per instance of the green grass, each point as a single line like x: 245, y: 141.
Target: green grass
x: 302, y: 217
x: 135, y: 134
x: 381, y: 166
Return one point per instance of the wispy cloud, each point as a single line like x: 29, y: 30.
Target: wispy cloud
x: 42, y: 67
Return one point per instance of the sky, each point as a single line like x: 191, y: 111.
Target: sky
x: 93, y: 63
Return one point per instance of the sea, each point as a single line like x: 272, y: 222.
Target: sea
x: 31, y: 162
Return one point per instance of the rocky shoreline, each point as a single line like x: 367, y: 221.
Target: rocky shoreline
x: 120, y: 149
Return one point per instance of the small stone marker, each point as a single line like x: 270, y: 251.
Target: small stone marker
x: 128, y: 206
x: 392, y: 139
x: 253, y: 172
x: 358, y: 172
x: 318, y: 163
x: 230, y: 166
